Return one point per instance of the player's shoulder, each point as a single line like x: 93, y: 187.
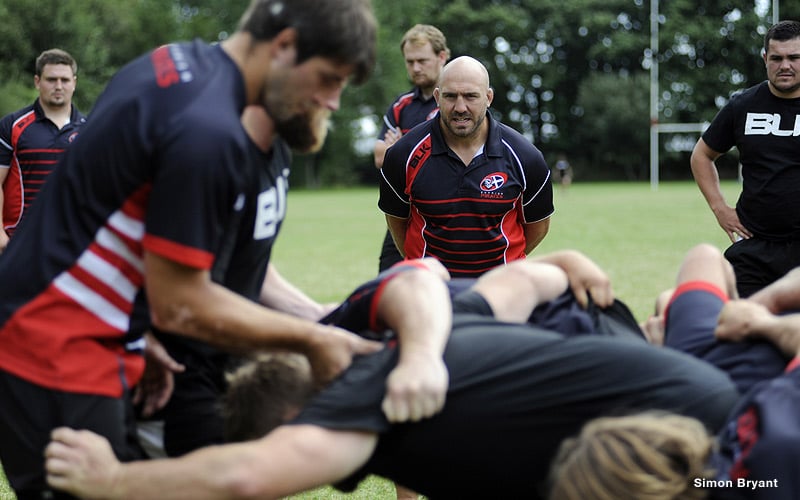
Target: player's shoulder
x: 506, y: 137
x: 15, y: 115
x: 743, y: 97
x: 404, y: 98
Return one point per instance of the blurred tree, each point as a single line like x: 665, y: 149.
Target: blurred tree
x: 544, y: 58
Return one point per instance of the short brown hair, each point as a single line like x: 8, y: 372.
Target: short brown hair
x: 421, y: 33
x: 781, y: 32
x: 263, y: 391
x: 55, y: 56
x: 342, y: 30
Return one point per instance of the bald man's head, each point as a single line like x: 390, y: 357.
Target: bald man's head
x: 463, y: 96
x: 466, y: 68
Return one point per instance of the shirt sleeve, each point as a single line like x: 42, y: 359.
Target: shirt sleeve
x: 194, y: 198
x: 537, y: 199
x: 393, y: 199
x: 719, y: 135
x: 387, y: 123
x: 6, y: 151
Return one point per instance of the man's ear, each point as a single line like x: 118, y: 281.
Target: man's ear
x: 284, y: 46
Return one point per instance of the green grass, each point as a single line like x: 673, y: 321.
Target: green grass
x: 331, y: 241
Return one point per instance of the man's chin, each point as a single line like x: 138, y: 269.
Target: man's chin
x: 306, y: 142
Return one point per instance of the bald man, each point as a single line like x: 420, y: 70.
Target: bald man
x: 463, y: 187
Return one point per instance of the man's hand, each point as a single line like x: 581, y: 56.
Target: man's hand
x: 585, y: 277
x: 416, y: 388
x: 729, y: 221
x: 740, y: 319
x: 333, y: 350
x: 158, y: 382
x: 392, y: 136
x: 82, y: 463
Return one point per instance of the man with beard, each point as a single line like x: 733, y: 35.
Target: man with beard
x: 132, y: 230
x: 763, y: 123
x: 425, y: 52
x: 191, y: 418
x: 463, y: 187
x: 33, y: 138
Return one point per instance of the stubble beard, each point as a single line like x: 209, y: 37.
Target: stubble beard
x: 306, y: 132
x: 463, y: 133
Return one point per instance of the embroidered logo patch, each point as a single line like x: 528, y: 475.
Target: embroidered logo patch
x: 493, y: 182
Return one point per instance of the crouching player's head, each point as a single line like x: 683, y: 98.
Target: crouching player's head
x: 643, y: 456
x: 264, y: 393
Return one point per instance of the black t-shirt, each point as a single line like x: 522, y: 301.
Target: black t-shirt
x: 766, y: 131
x: 515, y: 392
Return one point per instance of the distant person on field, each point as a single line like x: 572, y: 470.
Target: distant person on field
x: 463, y: 187
x: 425, y: 52
x: 33, y: 138
x: 761, y: 122
x: 564, y: 171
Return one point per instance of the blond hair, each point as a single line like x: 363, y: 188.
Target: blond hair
x: 650, y: 456
x: 419, y: 34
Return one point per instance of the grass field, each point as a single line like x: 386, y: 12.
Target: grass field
x: 331, y: 241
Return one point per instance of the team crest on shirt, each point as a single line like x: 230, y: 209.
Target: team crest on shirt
x: 493, y: 182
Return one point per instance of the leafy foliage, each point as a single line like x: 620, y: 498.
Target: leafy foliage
x: 555, y: 65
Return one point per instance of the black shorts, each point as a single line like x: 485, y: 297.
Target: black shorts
x: 192, y: 417
x: 758, y: 262
x: 29, y: 413
x: 470, y: 301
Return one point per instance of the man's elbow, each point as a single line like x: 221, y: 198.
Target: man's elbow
x: 173, y: 316
x: 536, y: 235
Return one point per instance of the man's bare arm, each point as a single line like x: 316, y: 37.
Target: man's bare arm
x: 535, y: 233
x: 707, y: 178
x: 743, y: 319
x: 289, y: 460
x: 782, y: 295
x: 515, y: 290
x: 397, y: 227
x: 185, y: 301
x: 416, y: 305
x: 585, y: 276
x: 280, y: 294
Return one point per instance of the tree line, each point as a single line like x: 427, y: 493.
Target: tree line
x: 572, y: 75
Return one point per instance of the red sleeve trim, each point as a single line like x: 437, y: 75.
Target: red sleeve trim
x: 794, y: 363
x: 692, y: 286
x: 182, y: 254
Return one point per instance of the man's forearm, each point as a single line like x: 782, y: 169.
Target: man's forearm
x: 397, y: 228
x: 185, y: 301
x: 279, y: 294
x: 782, y: 295
x: 783, y: 331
